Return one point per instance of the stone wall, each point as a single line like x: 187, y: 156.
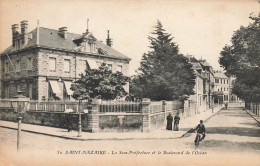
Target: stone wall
x: 24, y: 76
x: 40, y: 69
x: 52, y: 119
x: 157, y: 121
x: 60, y: 75
x: 111, y: 123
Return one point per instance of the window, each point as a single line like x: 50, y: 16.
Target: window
x: 7, y: 91
x: 91, y: 47
x: 94, y: 47
x: 218, y: 89
x: 29, y: 63
x: 66, y: 65
x: 225, y: 97
x: 224, y: 89
x: 18, y: 87
x: 109, y: 67
x: 221, y: 89
x: 221, y: 81
x: 216, y: 80
x: 30, y: 90
x: 224, y: 81
x: 199, y: 84
x: 120, y: 68
x: 18, y: 65
x: 6, y: 67
x: 52, y: 64
x: 227, y: 89
x: 227, y: 81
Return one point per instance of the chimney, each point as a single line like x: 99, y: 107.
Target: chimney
x: 24, y: 32
x: 63, y: 32
x: 109, y: 40
x: 189, y: 57
x: 14, y: 33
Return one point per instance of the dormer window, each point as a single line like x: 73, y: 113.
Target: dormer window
x: 6, y: 67
x: 90, y: 47
x: 88, y: 43
x: 18, y: 65
x: 93, y: 47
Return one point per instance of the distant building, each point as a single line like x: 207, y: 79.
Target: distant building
x: 44, y: 62
x: 222, y: 86
x: 200, y: 101
x: 208, y: 83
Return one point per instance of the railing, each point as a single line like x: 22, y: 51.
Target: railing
x: 169, y: 106
x: 156, y: 107
x: 5, y: 103
x: 54, y: 106
x: 120, y: 106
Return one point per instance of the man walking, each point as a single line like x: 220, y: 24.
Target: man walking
x: 169, y: 122
x: 226, y: 105
x: 176, y: 122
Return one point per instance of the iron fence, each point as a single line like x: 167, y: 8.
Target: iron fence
x: 120, y: 106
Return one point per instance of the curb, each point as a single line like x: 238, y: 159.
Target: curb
x: 252, y: 116
x: 192, y: 129
x: 91, y: 139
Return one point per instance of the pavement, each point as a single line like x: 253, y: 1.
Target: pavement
x: 185, y: 126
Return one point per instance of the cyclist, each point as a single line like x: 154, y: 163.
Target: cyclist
x: 200, y: 129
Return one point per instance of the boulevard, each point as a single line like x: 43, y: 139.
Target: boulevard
x: 231, y: 130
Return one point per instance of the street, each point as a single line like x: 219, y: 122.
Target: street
x: 231, y: 130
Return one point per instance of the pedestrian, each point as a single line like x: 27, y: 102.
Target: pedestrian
x: 226, y: 105
x: 176, y: 122
x: 69, y: 122
x: 169, y: 122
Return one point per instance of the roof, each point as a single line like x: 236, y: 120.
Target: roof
x: 220, y: 75
x: 196, y: 65
x: 205, y: 63
x: 50, y: 38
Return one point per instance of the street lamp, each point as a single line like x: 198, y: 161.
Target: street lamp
x: 79, y: 125
x: 19, y: 104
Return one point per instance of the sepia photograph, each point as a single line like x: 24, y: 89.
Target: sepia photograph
x: 129, y: 82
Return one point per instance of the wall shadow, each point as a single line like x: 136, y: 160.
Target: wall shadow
x: 240, y: 131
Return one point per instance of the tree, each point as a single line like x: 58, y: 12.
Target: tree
x: 99, y: 83
x: 242, y: 60
x: 136, y: 87
x: 165, y: 74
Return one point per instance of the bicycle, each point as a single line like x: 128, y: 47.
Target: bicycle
x: 198, y: 139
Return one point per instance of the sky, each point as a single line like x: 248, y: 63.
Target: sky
x: 200, y: 28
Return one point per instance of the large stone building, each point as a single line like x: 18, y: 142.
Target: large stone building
x: 44, y: 62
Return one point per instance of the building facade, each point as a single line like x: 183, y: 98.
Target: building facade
x: 222, y: 86
x: 199, y: 101
x: 44, y: 62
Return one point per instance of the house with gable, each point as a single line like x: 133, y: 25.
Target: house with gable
x: 198, y: 102
x: 44, y: 62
